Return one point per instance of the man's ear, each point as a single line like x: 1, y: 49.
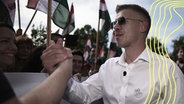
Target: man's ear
x: 143, y: 26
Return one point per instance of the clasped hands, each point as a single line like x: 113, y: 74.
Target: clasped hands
x: 56, y: 55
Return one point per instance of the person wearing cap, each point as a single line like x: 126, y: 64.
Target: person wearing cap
x: 49, y: 91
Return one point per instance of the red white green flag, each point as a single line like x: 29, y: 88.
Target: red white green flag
x: 71, y: 23
x: 59, y: 13
x: 102, y: 53
x: 105, y: 18
x: 114, y: 50
x: 113, y: 47
x: 87, y: 48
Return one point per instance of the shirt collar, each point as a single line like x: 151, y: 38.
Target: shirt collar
x: 143, y: 56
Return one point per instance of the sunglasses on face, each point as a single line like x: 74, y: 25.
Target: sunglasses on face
x: 122, y: 20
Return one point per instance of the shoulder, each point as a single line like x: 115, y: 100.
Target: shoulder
x: 5, y: 89
x: 109, y: 63
x: 112, y: 60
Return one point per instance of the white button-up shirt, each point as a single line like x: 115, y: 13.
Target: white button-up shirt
x: 150, y: 79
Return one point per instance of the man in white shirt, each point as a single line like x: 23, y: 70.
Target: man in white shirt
x: 138, y: 76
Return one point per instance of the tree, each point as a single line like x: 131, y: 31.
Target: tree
x: 38, y: 35
x: 83, y: 34
x: 176, y: 44
x: 156, y: 46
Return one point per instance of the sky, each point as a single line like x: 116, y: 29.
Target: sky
x: 86, y: 12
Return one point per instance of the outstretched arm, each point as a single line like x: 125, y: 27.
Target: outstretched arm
x: 52, y: 89
x: 53, y: 55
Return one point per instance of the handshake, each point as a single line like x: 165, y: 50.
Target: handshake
x: 56, y: 56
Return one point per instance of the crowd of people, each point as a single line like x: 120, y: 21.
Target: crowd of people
x: 137, y: 76
x: 38, y: 95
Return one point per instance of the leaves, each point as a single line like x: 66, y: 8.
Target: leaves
x: 38, y: 35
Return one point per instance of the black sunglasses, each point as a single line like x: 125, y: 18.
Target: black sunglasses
x: 122, y: 20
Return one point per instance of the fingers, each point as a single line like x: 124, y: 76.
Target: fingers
x: 51, y: 42
x: 53, y: 57
x: 69, y: 53
x: 52, y: 45
x: 55, y: 54
x: 60, y: 42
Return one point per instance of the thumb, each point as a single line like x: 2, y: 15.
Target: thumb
x: 60, y: 42
x: 51, y: 42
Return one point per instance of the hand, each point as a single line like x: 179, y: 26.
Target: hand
x: 55, y: 54
x: 66, y: 66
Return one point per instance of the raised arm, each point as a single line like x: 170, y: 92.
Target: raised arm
x: 53, y: 55
x: 52, y: 89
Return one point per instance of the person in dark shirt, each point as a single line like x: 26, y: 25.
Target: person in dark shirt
x: 49, y: 91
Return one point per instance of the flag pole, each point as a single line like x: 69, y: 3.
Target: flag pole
x: 49, y: 22
x: 97, y: 39
x: 108, y: 54
x: 30, y: 21
x: 19, y: 14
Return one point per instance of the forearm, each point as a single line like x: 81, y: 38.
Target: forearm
x: 14, y: 100
x: 85, y: 92
x: 52, y: 89
x: 72, y: 97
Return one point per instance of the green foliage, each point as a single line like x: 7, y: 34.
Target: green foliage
x: 38, y: 35
x: 176, y: 44
x: 83, y: 34
x: 156, y: 46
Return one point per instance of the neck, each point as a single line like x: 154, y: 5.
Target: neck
x: 132, y: 53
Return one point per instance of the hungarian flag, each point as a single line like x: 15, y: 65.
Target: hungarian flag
x: 59, y: 13
x: 105, y: 18
x: 70, y: 25
x: 7, y: 11
x: 87, y: 48
x: 102, y: 53
x: 114, y: 49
